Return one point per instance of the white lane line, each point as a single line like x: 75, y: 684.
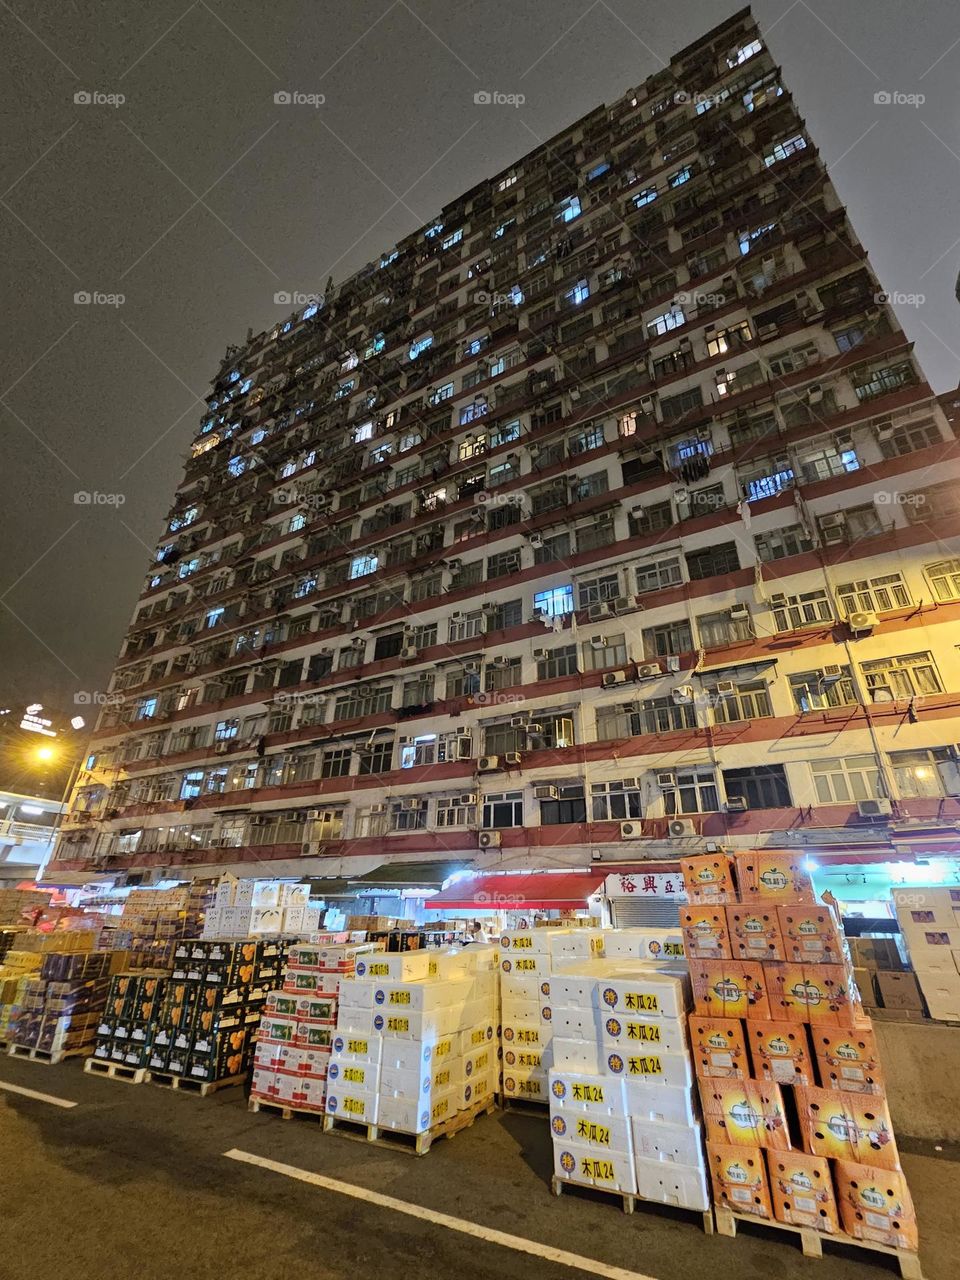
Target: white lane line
x: 518, y: 1243
x: 40, y: 1097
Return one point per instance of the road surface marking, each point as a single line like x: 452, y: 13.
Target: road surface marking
x: 521, y: 1245
x: 40, y: 1097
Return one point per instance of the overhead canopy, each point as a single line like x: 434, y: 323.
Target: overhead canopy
x: 409, y: 875
x: 547, y: 890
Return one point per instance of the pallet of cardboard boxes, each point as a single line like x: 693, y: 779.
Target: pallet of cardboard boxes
x: 929, y: 921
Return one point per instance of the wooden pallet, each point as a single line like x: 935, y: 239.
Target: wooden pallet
x: 523, y: 1106
x: 812, y: 1242
x: 416, y: 1144
x: 168, y: 1081
x: 50, y: 1057
x: 287, y: 1112
x: 630, y: 1199
x: 115, y: 1070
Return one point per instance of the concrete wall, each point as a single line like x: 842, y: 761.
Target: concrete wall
x: 921, y: 1062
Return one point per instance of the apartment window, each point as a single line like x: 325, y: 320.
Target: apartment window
x: 226, y: 729
x: 908, y: 437
x: 418, y: 751
x: 504, y: 809
x: 502, y: 675
x: 659, y: 515
x: 568, y: 209
x: 907, y: 676
x: 503, y: 564
x: 578, y: 294
x: 462, y: 683
x: 556, y: 663
x: 763, y: 786
x: 452, y: 812
x: 775, y: 544
x: 425, y: 588
x: 881, y: 381
x: 422, y: 636
x: 555, y: 602
x: 667, y: 639
x: 590, y: 486
x: 590, y: 438
x: 748, y: 701
x: 827, y: 461
x: 944, y: 577
x: 711, y: 561
x: 604, y: 651
x: 362, y: 701
x: 598, y: 590
x: 417, y: 692
x: 361, y: 566
x: 350, y: 657
x: 874, y: 595
x: 403, y: 817
x: 818, y: 690
x: 376, y: 757
x: 557, y: 547
x: 661, y: 324
x: 191, y: 784
x: 570, y: 806
x: 847, y: 339
x: 784, y: 148
x: 805, y: 609
x: 731, y: 339
x: 335, y: 763
x: 645, y: 196
x: 851, y: 778
x: 302, y: 765
x: 658, y: 574
x: 505, y: 434
x: 502, y: 616
x: 722, y: 628
x: 769, y: 480
x: 673, y: 408
x: 615, y: 801
x: 932, y: 771
x: 680, y: 177
x: 466, y: 626
x: 691, y: 791
x: 371, y: 822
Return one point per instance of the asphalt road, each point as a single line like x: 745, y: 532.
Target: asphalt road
x: 134, y: 1181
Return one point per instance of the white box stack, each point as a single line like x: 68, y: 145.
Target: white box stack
x: 621, y: 1056
x: 245, y: 907
x: 416, y: 1039
x: 526, y: 1028
x: 930, y: 924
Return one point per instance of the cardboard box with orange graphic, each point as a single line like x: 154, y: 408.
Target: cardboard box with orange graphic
x: 875, y: 1205
x: 705, y: 935
x: 801, y: 1190
x: 780, y: 1053
x: 847, y: 1059
x: 755, y: 932
x: 816, y: 993
x: 729, y: 988
x: 709, y: 879
x: 772, y: 878
x: 739, y: 1178
x: 744, y: 1113
x: 811, y: 934
x: 718, y: 1047
x: 848, y: 1126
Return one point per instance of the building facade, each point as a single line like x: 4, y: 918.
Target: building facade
x: 606, y: 518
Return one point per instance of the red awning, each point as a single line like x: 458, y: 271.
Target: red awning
x: 561, y: 890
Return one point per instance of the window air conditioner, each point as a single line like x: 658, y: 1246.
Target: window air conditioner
x: 546, y: 793
x: 725, y: 688
x: 737, y: 804
x: 536, y: 541
x: 598, y: 611
x: 512, y: 758
x: 314, y: 815
x: 540, y: 653
x: 412, y: 802
x: 879, y: 808
x: 518, y: 722
x: 682, y: 694
x: 378, y: 808
x: 471, y: 668
x: 630, y: 831
x: 221, y: 748
x: 678, y: 827
x: 469, y: 797
x: 490, y: 839
x: 862, y: 621
x: 487, y: 764
x: 666, y: 779
x: 831, y: 673
x: 612, y: 678
x: 740, y: 611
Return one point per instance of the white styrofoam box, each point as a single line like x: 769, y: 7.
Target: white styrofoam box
x: 676, y: 1184
x: 655, y: 946
x: 357, y: 1046
x: 418, y: 997
x: 592, y: 1168
x: 525, y: 1035
x: 526, y: 1082
x: 484, y: 985
x: 428, y: 1024
x: 514, y: 1010
x: 527, y: 941
x: 400, y: 966
x: 666, y: 1070
x: 607, y: 1133
x: 347, y: 1073
x: 573, y: 944
x: 533, y: 967
x: 476, y: 1088
x: 477, y: 1013
x: 348, y: 1103
x: 671, y: 1143
x: 355, y: 993
x: 480, y: 1062
x: 424, y: 1081
x: 660, y: 1102
x: 576, y: 1055
x: 523, y: 1057
x: 481, y: 1035
x: 406, y: 1115
x: 571, y: 990
x: 519, y: 989
x: 414, y: 1055
x: 650, y: 992
x: 583, y: 1091
x: 633, y: 1032
x: 574, y: 1024
x: 355, y: 1020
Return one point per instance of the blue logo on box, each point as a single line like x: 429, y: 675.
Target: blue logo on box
x: 378, y: 1022
x: 379, y: 995
x: 331, y: 1104
x: 333, y: 1070
x: 338, y: 1044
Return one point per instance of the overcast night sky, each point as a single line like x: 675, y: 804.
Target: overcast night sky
x: 198, y: 199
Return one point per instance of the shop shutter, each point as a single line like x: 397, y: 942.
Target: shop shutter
x: 645, y: 913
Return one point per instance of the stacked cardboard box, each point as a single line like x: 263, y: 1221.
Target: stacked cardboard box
x: 930, y: 924
x: 16, y: 904
x: 623, y: 1108
x: 797, y: 1124
x: 19, y: 967
x: 58, y: 1011
x: 155, y: 920
x: 292, y: 1057
x: 526, y: 1013
x: 416, y: 1038
x: 130, y: 1016
x: 260, y: 907
x: 212, y: 1005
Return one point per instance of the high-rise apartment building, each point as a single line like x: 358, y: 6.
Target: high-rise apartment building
x: 604, y: 517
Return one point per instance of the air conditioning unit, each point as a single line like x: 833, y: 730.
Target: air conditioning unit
x: 630, y: 831
x: 862, y: 621
x: 647, y: 404
x: 879, y: 808
x: 488, y: 607
x: 650, y: 669
x: 221, y: 748
x: 831, y: 673
x: 512, y: 758
x: 546, y: 793
x: 667, y: 778
x: 597, y: 642
x: 469, y: 797
x: 490, y: 839
x: 682, y: 694
x: 613, y: 678
x: 518, y: 722
x: 678, y: 827
x: 314, y: 815
x: 739, y: 611
x: 409, y: 651
x: 540, y: 653
x: 737, y: 804
x: 833, y: 528
x: 536, y: 541
x: 471, y: 668
x: 725, y: 688
x: 487, y: 764
x: 412, y: 802
x: 598, y: 611
x: 815, y: 394
x: 378, y: 808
